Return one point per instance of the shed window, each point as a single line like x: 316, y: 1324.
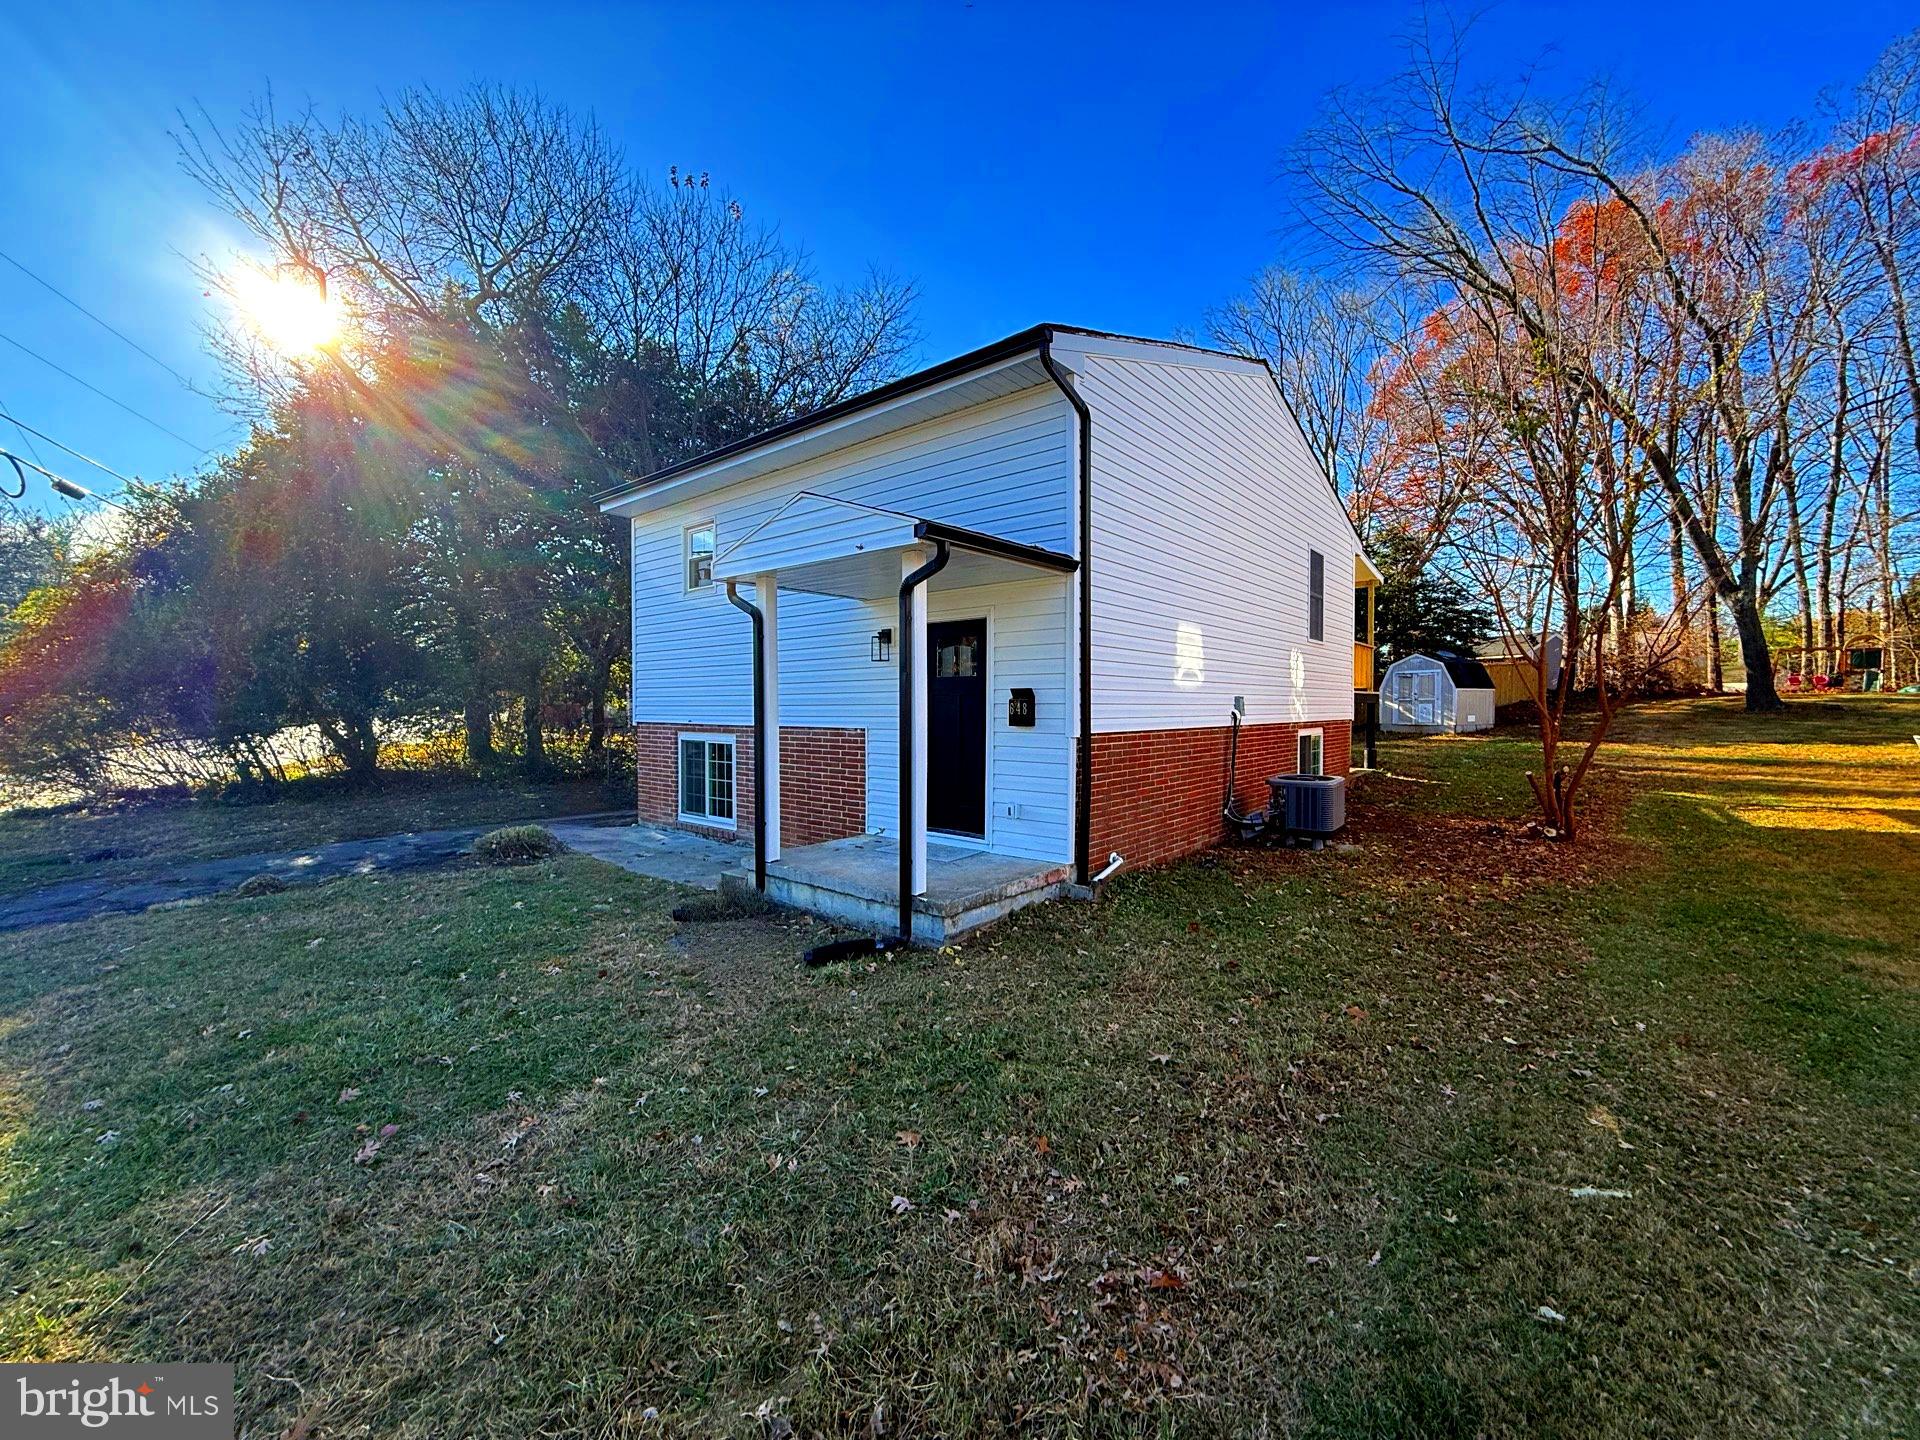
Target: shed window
x: 1316, y: 595
x: 1310, y: 754
x: 699, y: 555
x: 706, y: 779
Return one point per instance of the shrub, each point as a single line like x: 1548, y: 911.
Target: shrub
x: 517, y: 845
x: 262, y: 884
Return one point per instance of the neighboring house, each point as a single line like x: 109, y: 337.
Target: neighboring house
x: 1435, y: 694
x: 1005, y: 605
x: 1515, y: 668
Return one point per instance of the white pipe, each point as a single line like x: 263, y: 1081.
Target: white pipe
x: 1114, y: 861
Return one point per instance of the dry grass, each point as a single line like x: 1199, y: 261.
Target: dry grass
x: 1267, y: 1143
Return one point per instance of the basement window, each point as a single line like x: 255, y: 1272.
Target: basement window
x: 1309, y: 753
x: 706, y: 780
x: 699, y: 555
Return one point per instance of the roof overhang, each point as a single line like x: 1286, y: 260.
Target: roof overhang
x: 1365, y: 572
x: 827, y: 546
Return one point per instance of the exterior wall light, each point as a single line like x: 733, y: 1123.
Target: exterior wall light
x: 881, y: 649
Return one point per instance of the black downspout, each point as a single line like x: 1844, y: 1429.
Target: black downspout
x: 759, y: 735
x: 926, y: 572
x: 1083, y: 771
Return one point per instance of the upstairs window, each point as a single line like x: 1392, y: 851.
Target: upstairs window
x: 699, y: 555
x: 1310, y: 753
x: 1316, y: 595
x: 706, y: 779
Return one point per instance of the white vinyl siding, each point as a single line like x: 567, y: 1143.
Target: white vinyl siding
x: 1207, y: 505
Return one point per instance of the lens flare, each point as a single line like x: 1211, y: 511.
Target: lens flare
x: 291, y: 312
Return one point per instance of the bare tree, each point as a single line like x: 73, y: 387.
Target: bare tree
x: 1322, y: 344
x: 1469, y: 192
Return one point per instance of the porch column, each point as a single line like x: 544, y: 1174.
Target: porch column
x: 766, y: 589
x: 915, y: 842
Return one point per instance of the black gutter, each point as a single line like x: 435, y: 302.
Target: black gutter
x: 759, y: 735
x: 983, y: 544
x: 1083, y: 771
x: 926, y: 572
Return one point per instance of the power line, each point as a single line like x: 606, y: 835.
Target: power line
x: 71, y: 489
x: 26, y: 429
x: 4, y: 407
x: 49, y: 286
x: 192, y: 445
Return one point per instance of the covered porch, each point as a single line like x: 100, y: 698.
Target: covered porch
x: 908, y: 880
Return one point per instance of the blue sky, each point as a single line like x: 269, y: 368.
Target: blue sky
x: 1109, y: 165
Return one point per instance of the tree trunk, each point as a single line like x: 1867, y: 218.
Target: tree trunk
x: 533, y: 757
x: 1755, y: 656
x: 477, y: 719
x: 355, y: 744
x: 1881, y: 480
x: 597, y: 709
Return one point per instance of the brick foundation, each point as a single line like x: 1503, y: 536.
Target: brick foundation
x: 1157, y: 793
x: 823, y: 780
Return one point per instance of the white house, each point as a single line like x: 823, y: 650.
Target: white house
x: 1435, y: 694
x: 1005, y: 606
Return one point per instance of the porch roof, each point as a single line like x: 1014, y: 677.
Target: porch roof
x: 829, y: 546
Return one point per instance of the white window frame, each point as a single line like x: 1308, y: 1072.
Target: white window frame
x: 1319, y: 738
x: 686, y: 555
x: 705, y: 737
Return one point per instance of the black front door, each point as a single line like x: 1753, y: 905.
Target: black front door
x: 957, y: 727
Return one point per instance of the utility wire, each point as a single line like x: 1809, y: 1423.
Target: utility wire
x: 27, y: 429
x: 192, y: 445
x: 113, y: 330
x: 4, y: 407
x: 71, y: 489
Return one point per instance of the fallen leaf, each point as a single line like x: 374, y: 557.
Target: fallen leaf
x: 900, y: 1204
x: 908, y: 1138
x: 349, y: 1095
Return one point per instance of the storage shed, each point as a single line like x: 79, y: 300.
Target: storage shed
x: 1436, y: 694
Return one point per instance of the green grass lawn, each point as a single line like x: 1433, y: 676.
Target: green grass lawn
x: 1455, y: 1132
x: 50, y: 846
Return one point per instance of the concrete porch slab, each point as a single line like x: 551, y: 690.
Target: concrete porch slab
x: 856, y: 880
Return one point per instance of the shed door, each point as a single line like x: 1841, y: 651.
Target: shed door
x: 1419, y: 695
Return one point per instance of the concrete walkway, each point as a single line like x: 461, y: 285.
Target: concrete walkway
x: 676, y: 855
x: 644, y: 850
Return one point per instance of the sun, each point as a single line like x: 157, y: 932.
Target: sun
x: 288, y: 310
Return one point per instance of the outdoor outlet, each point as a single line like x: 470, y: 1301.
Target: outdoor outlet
x: 1240, y: 705
x: 1011, y: 810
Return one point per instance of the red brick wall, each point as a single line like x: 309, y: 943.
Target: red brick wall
x: 823, y: 784
x: 1157, y: 793
x: 823, y: 780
